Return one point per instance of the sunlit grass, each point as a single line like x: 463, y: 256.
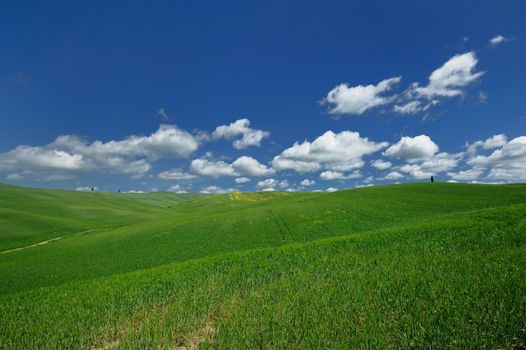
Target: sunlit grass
x: 390, y: 267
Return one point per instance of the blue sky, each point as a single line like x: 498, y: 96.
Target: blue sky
x: 224, y: 96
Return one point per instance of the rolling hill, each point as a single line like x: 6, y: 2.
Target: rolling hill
x: 414, y: 265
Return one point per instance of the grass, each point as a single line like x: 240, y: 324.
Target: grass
x: 406, y: 266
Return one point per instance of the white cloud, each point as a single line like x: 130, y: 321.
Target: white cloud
x: 448, y: 80
x: 412, y: 149
x: 242, y: 180
x: 393, y: 175
x: 495, y: 141
x: 211, y: 168
x: 336, y: 175
x: 250, y: 166
x: 167, y: 141
x: 280, y: 163
x: 72, y: 154
x: 432, y: 166
x: 241, y: 127
x: 409, y: 108
x: 176, y: 189
x: 175, y: 174
x: 39, y: 158
x: 507, y: 163
x: 242, y: 166
x: 466, y: 175
x: 332, y: 151
x: 492, y: 142
x: 268, y: 183
x: 356, y: 100
x: 331, y: 189
x: 307, y: 182
x: 271, y: 184
x: 216, y: 190
x: 381, y: 164
x: 368, y: 179
x: 283, y: 184
x: 136, y: 167
x: 498, y: 39
x: 86, y: 189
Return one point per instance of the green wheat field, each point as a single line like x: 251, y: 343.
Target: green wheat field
x: 423, y: 265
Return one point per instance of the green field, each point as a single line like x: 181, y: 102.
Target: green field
x: 401, y: 266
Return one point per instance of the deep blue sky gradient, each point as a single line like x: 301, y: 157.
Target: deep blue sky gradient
x: 102, y: 69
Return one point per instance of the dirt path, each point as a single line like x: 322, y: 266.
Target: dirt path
x: 32, y: 245
x: 46, y: 242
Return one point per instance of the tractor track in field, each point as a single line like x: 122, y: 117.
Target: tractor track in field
x: 50, y: 240
x: 31, y: 245
x: 283, y: 228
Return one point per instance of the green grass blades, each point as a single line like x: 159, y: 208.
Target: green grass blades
x: 407, y: 266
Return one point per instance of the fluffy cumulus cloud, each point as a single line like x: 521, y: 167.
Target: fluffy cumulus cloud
x: 212, y: 168
x: 251, y: 167
x: 240, y: 130
x: 216, y: 190
x: 280, y: 163
x: 438, y: 163
x: 412, y: 149
x: 42, y: 158
x: 73, y: 154
x: 242, y: 180
x: 175, y: 174
x: 175, y: 189
x: 420, y: 158
x: 493, y: 160
x: 448, y: 81
x: 331, y: 151
x: 506, y: 163
x: 337, y: 175
x: 307, y: 182
x: 466, y: 175
x: 393, y: 175
x: 242, y: 166
x: 167, y: 141
x: 272, y: 184
x: 381, y: 164
x: 331, y: 189
x: 492, y: 142
x: 355, y: 100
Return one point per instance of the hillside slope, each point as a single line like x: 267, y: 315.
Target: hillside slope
x: 29, y: 216
x: 391, y: 266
